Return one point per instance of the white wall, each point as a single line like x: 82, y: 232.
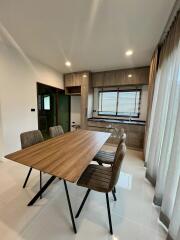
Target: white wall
x: 48, y: 75
x: 143, y: 107
x: 1, y: 135
x: 18, y: 93
x: 75, y: 110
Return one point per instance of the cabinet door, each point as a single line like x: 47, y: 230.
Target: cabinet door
x: 120, y: 78
x: 73, y: 79
x: 98, y: 79
x: 137, y: 76
x: 68, y: 80
x: 109, y: 79
x: 77, y: 79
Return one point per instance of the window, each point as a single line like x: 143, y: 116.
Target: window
x: 122, y: 103
x: 46, y: 102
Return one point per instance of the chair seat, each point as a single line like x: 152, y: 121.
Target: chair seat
x: 105, y: 157
x: 96, y: 177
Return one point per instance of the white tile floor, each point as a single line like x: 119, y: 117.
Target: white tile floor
x: 133, y: 216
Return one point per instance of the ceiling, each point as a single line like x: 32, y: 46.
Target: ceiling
x: 92, y: 34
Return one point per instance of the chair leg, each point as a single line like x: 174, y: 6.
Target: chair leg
x: 40, y: 183
x: 24, y: 185
x: 70, y: 208
x: 114, y: 195
x: 82, y: 204
x: 115, y: 189
x: 109, y: 213
x: 100, y: 163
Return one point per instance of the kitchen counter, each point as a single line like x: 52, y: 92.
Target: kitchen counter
x: 134, y: 129
x: 118, y: 121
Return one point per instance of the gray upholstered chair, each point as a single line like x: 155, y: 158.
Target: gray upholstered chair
x: 28, y: 139
x: 56, y: 131
x: 102, y: 179
x: 105, y: 157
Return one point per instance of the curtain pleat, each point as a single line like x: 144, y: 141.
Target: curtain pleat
x: 151, y: 86
x: 178, y: 236
x: 162, y: 154
x: 172, y: 178
x: 170, y: 126
x: 159, y: 113
x: 175, y: 219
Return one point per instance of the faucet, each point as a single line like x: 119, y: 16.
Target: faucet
x: 130, y: 116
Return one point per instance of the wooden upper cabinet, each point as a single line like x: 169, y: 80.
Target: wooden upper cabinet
x: 72, y: 79
x: 134, y: 76
x: 79, y: 83
x: 137, y: 76
x: 97, y: 79
x: 109, y: 79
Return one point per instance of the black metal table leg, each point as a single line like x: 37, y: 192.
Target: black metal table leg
x: 24, y: 185
x: 40, y: 183
x: 46, y: 185
x: 109, y: 213
x: 114, y: 195
x: 70, y: 208
x: 82, y: 204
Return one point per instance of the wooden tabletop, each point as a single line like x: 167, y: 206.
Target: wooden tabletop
x: 66, y: 156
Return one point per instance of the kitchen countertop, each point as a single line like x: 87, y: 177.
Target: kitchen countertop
x: 118, y: 121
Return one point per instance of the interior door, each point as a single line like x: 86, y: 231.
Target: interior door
x: 47, y: 114
x: 64, y: 111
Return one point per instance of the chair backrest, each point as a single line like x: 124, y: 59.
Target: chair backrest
x: 31, y: 138
x: 117, y: 165
x: 56, y: 131
x: 121, y: 140
x: 121, y: 132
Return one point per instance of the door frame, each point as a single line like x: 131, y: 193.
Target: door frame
x: 57, y: 91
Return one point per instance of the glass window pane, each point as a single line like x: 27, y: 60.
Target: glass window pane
x: 47, y: 103
x: 107, y: 103
x: 122, y: 103
x: 128, y: 103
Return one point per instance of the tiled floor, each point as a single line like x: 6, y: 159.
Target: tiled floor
x: 133, y: 216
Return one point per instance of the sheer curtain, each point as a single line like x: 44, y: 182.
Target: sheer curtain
x: 163, y: 142
x: 174, y: 227
x: 172, y: 178
x: 169, y: 137
x: 152, y: 77
x: 158, y: 115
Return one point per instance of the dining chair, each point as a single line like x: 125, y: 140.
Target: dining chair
x: 28, y: 139
x: 56, y: 131
x: 107, y: 157
x: 102, y: 179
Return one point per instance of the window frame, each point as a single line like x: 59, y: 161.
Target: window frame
x: 43, y: 105
x: 117, y: 102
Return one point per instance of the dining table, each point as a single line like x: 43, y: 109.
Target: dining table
x: 64, y: 157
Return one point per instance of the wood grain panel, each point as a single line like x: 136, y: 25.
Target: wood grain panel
x: 115, y: 78
x: 66, y: 156
x: 72, y: 79
x: 135, y: 133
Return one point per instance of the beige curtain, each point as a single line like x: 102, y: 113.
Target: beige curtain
x: 152, y: 77
x: 175, y: 219
x: 163, y: 142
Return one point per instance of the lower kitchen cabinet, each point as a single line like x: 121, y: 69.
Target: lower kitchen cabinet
x: 135, y: 132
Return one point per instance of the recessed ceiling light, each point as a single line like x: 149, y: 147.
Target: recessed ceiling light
x: 129, y: 52
x: 68, y: 64
x: 129, y: 75
x: 84, y: 75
